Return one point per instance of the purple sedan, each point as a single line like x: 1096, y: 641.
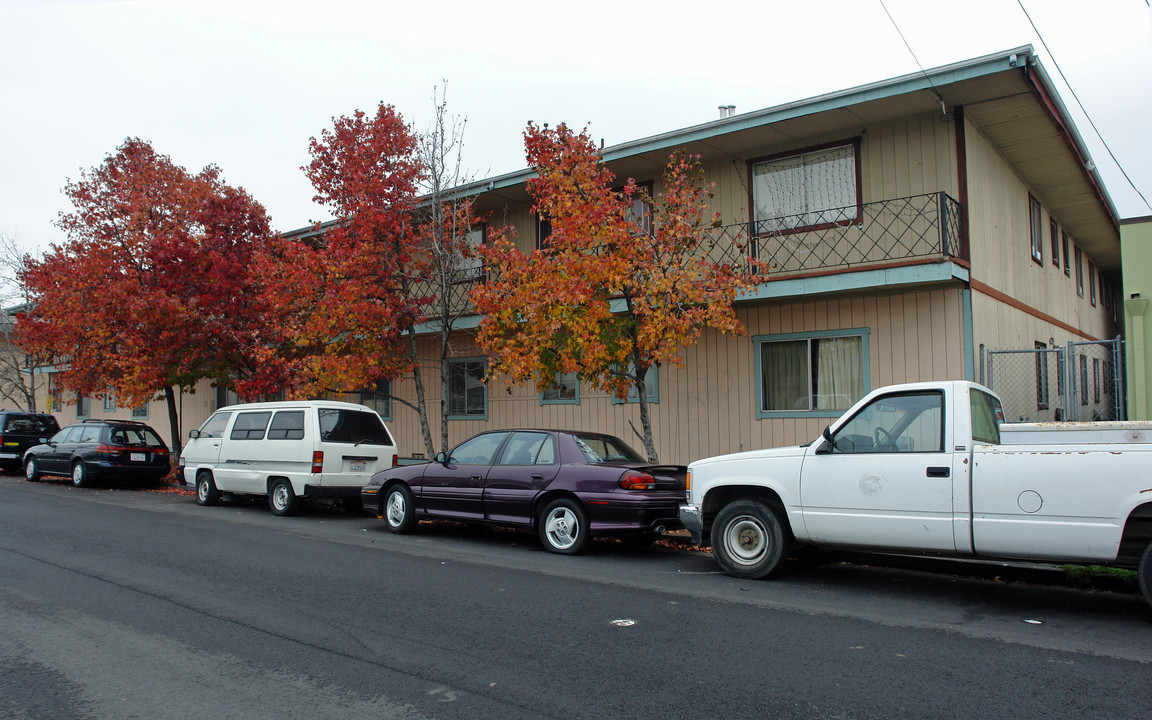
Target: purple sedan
x: 569, y: 486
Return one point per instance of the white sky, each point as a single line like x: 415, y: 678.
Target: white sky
x: 244, y: 84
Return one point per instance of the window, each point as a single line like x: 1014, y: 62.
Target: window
x: 909, y: 422
x: 467, y: 265
x: 1096, y: 381
x: 1092, y: 283
x: 641, y: 210
x: 816, y: 188
x: 605, y: 448
x: 820, y: 372
x: 1083, y: 380
x: 250, y: 425
x: 467, y: 394
x: 529, y: 448
x: 109, y: 399
x: 565, y: 390
x: 651, y: 387
x: 543, y: 232
x: 225, y: 397
x: 1055, y: 241
x: 1041, y: 376
x: 214, y: 428
x: 1064, y: 246
x: 140, y: 412
x: 379, y: 398
x: 83, y: 406
x: 1079, y: 273
x: 987, y: 414
x: 352, y: 426
x: 1035, y: 228
x: 287, y: 425
x: 55, y: 393
x: 480, y: 450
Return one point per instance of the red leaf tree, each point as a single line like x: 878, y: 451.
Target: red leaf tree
x: 614, y: 292
x: 351, y: 295
x: 151, y: 290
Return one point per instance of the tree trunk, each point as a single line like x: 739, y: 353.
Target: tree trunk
x: 173, y: 419
x: 642, y: 396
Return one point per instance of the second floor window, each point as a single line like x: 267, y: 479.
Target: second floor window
x: 469, y: 267
x: 1036, y: 228
x: 807, y: 190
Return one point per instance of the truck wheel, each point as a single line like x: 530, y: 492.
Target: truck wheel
x: 281, y: 499
x: 206, y: 492
x: 748, y: 539
x: 399, y: 512
x: 1144, y: 574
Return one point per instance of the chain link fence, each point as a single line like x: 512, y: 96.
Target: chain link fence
x: 1080, y: 381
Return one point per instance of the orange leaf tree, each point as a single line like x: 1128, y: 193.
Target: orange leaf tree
x: 613, y: 292
x: 151, y: 290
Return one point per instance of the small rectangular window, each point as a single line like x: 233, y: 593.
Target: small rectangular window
x: 287, y: 425
x: 1036, y: 228
x: 1055, y: 241
x: 467, y: 265
x: 110, y: 400
x: 1067, y: 259
x: 467, y: 393
x: 250, y: 426
x: 565, y: 390
x: 1079, y: 272
x: 1092, y: 283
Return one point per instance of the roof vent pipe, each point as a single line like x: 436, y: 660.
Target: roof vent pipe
x: 726, y: 111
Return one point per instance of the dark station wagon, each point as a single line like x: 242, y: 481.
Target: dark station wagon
x: 568, y: 486
x: 101, y: 449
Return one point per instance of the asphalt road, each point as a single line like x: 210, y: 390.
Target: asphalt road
x: 122, y: 604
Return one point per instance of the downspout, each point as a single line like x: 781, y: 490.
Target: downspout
x: 1138, y: 395
x: 965, y: 247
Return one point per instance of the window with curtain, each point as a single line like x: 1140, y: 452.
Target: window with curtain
x: 467, y: 394
x: 805, y: 190
x: 811, y: 374
x: 469, y: 267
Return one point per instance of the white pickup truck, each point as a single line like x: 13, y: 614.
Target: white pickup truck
x: 923, y: 468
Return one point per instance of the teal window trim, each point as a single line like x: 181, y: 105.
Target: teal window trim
x: 862, y: 333
x: 477, y: 416
x: 574, y: 400
x: 652, y: 389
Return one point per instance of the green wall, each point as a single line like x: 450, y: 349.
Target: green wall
x: 1136, y: 249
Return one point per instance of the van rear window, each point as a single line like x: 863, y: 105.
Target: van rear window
x: 352, y: 426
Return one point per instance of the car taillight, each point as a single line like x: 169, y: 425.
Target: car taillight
x: 635, y: 480
x: 395, y: 460
x: 317, y: 461
x: 106, y: 450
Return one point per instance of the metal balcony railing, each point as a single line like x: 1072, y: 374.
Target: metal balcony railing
x: 921, y: 227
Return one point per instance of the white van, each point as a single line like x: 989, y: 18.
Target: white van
x: 287, y: 451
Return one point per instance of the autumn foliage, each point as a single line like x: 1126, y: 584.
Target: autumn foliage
x: 623, y: 282
x: 150, y: 291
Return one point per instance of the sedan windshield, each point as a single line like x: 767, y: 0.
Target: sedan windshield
x: 605, y: 448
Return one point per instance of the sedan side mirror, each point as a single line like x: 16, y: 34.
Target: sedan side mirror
x: 441, y: 458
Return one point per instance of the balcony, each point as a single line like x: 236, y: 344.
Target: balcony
x: 920, y: 228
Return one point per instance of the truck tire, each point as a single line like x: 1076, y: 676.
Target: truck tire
x: 1144, y: 574
x: 748, y: 539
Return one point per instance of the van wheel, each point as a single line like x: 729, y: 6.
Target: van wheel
x: 398, y: 510
x: 748, y: 539
x: 281, y: 498
x: 206, y: 492
x: 1144, y: 574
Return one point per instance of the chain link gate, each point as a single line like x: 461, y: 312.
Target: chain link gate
x: 1081, y: 381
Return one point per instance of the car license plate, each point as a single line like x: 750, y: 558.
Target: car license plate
x: 357, y: 466
x: 136, y: 457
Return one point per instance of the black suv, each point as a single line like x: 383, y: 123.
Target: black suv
x: 20, y: 430
x: 96, y: 449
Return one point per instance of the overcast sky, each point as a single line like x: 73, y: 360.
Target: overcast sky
x: 244, y: 84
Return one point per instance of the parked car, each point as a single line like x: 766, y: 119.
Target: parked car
x: 95, y: 450
x: 568, y: 486
x: 287, y: 451
x: 20, y: 430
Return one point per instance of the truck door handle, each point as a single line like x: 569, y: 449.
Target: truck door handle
x: 940, y: 472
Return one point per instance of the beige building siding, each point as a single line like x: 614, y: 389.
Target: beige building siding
x: 1000, y: 242
x: 708, y: 407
